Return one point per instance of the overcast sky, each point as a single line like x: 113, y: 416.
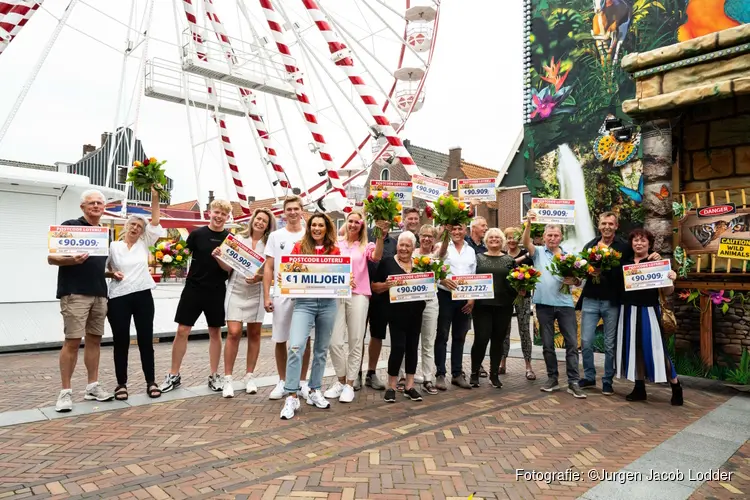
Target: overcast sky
x: 473, y: 93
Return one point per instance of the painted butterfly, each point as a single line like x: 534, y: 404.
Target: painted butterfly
x: 663, y: 193
x: 636, y: 196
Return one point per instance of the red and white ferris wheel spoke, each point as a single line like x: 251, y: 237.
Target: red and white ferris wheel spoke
x: 339, y: 51
x: 218, y: 119
x: 13, y: 17
x: 248, y: 99
x: 275, y: 23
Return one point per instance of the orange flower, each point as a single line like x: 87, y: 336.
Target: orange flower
x: 159, y: 255
x: 553, y: 74
x: 397, y: 218
x: 137, y: 164
x: 152, y: 160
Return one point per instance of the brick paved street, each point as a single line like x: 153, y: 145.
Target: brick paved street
x: 448, y: 446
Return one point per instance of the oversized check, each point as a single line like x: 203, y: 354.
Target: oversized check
x: 553, y: 211
x: 734, y: 248
x: 240, y: 257
x: 652, y: 274
x: 477, y: 189
x: 315, y: 276
x: 402, y: 190
x: 428, y: 188
x: 412, y: 287
x: 473, y: 286
x: 74, y: 240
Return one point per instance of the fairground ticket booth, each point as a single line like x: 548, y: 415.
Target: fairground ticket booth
x: 693, y: 104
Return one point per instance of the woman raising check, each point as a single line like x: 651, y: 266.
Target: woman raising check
x: 244, y: 304
x: 319, y: 239
x: 130, y: 296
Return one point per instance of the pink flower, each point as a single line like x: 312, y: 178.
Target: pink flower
x: 444, y: 269
x: 385, y: 195
x: 718, y: 298
x: 442, y: 202
x: 520, y: 277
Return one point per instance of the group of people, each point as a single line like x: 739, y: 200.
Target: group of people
x: 225, y: 297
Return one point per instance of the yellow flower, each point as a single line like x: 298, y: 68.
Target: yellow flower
x: 178, y: 258
x: 161, y: 245
x: 462, y: 205
x: 527, y: 276
x: 178, y: 247
x: 152, y: 160
x: 137, y: 164
x: 399, y: 206
x: 425, y: 260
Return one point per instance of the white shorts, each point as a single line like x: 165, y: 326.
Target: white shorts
x: 283, y: 308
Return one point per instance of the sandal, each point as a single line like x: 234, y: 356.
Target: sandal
x: 530, y: 375
x: 401, y: 385
x: 153, y: 390
x: 121, y: 393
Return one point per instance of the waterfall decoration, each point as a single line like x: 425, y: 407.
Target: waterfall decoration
x: 573, y: 187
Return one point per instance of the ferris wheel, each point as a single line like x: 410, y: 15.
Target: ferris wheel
x: 320, y: 88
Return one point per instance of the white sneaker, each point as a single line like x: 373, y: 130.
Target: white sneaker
x: 304, y: 389
x: 335, y: 390
x: 347, y: 394
x: 418, y: 379
x: 315, y: 398
x: 291, y: 405
x: 228, y: 390
x: 95, y: 392
x: 250, y: 386
x: 278, y: 391
x: 64, y: 401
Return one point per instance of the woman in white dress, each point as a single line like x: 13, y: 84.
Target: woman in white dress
x: 130, y: 296
x: 244, y: 304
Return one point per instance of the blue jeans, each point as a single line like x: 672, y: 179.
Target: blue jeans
x: 308, y: 312
x: 591, y: 312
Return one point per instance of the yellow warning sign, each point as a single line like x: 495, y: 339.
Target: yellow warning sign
x: 734, y: 248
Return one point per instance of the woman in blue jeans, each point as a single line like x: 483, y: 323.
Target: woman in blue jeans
x: 319, y: 239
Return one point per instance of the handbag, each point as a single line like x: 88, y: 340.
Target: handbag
x: 668, y: 319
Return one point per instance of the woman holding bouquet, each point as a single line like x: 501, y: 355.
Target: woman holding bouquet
x: 492, y: 316
x: 130, y: 296
x: 404, y: 319
x: 523, y: 311
x: 641, y: 349
x: 244, y: 304
x: 319, y: 239
x: 351, y: 318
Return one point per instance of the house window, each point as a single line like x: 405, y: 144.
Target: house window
x: 385, y: 175
x: 122, y: 174
x: 525, y: 204
x: 454, y: 184
x: 340, y: 224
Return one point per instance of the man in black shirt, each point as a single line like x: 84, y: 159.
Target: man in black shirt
x: 204, y: 292
x: 412, y: 222
x: 475, y: 238
x: 82, y: 290
x: 376, y: 314
x: 602, y: 301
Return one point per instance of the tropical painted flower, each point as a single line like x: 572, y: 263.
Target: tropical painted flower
x: 543, y: 106
x: 718, y: 298
x: 552, y: 74
x: 684, y: 295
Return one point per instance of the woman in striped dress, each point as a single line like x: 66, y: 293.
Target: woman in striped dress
x: 641, y: 348
x: 244, y: 304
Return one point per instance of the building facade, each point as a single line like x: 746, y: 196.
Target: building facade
x: 95, y: 160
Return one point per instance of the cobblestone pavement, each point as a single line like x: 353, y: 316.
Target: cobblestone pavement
x: 448, y: 446
x: 734, y: 487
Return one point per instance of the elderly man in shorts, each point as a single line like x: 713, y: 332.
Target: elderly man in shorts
x: 82, y: 290
x: 279, y: 244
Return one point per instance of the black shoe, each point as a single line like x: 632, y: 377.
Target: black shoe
x: 676, y: 394
x: 639, y: 392
x: 583, y: 383
x: 390, y: 396
x: 607, y: 389
x: 474, y: 380
x: 495, y: 381
x: 413, y: 394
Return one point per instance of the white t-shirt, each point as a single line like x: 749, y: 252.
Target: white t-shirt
x: 280, y: 243
x: 133, y: 263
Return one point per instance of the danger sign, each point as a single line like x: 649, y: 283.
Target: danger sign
x: 734, y: 248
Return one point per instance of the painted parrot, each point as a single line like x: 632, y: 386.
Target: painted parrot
x: 710, y: 16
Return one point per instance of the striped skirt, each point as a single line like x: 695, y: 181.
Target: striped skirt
x: 641, y: 347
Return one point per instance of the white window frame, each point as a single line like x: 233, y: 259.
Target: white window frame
x: 339, y: 224
x: 523, y: 215
x: 454, y: 185
x: 385, y: 174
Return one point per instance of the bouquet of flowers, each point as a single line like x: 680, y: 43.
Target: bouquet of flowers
x: 149, y: 174
x: 426, y: 264
x: 170, y: 254
x: 523, y: 279
x: 382, y: 205
x: 600, y: 257
x: 448, y: 211
x: 568, y: 266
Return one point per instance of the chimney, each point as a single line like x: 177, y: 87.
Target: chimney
x: 454, y: 157
x: 88, y: 148
x: 407, y: 143
x: 104, y: 137
x: 210, y: 199
x: 250, y: 199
